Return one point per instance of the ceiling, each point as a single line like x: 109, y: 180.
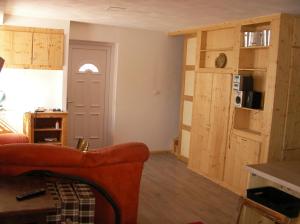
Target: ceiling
x: 164, y: 15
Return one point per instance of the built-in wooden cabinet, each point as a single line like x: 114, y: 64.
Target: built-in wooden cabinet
x: 24, y: 47
x: 223, y: 137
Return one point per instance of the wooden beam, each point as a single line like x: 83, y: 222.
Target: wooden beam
x: 229, y: 24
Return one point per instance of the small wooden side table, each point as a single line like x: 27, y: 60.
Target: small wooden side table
x: 33, y: 210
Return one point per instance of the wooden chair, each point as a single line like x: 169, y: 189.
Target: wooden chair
x: 276, y: 217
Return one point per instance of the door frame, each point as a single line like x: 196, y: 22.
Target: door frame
x: 110, y: 86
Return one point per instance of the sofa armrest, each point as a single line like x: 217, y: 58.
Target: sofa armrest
x: 10, y: 138
x: 116, y: 154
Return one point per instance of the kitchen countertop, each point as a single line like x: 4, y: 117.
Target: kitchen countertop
x: 285, y: 173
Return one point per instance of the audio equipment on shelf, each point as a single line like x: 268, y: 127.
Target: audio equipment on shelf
x: 239, y: 98
x: 253, y: 100
x: 242, y: 82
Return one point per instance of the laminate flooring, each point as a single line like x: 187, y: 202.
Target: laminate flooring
x: 172, y: 194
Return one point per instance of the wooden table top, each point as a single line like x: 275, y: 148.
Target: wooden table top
x: 12, y: 186
x: 285, y: 173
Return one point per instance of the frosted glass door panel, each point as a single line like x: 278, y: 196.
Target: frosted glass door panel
x: 185, y: 143
x: 189, y: 83
x: 191, y: 49
x: 187, y: 113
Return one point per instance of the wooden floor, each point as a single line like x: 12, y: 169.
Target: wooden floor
x: 170, y: 193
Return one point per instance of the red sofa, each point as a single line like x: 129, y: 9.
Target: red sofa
x: 8, y: 138
x: 117, y: 169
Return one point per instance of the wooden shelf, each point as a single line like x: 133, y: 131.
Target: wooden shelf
x: 53, y: 143
x: 253, y: 69
x: 186, y: 127
x: 188, y: 98
x: 251, y: 109
x: 215, y: 70
x: 254, y: 47
x: 217, y: 49
x: 247, y: 133
x: 47, y: 129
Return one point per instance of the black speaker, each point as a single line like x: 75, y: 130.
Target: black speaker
x: 253, y: 100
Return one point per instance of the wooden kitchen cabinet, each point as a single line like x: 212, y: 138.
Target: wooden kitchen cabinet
x: 35, y: 48
x: 16, y: 48
x: 48, y: 50
x: 240, y: 152
x: 6, y: 45
x: 22, y: 48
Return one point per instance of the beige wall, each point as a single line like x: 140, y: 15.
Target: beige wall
x: 146, y: 83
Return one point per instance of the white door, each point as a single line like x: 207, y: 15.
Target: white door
x: 88, y: 90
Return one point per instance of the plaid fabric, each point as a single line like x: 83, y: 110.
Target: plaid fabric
x: 70, y: 205
x: 75, y: 203
x: 54, y: 217
x: 86, y: 203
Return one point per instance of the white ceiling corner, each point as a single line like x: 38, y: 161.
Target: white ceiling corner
x: 164, y: 15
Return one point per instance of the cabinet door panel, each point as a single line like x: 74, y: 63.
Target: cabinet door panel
x: 56, y: 50
x: 40, y: 49
x: 6, y: 40
x: 22, y: 48
x: 292, y: 141
x: 199, y: 149
x: 48, y: 49
x: 202, y: 100
x: 240, y: 153
x: 200, y: 123
x: 219, y: 117
x: 209, y: 124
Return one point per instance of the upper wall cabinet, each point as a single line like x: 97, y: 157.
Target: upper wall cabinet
x: 32, y: 47
x: 16, y: 47
x: 47, y: 49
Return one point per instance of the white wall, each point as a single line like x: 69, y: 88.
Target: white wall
x: 147, y: 75
x: 27, y: 89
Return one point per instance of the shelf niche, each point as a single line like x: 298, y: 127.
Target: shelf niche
x: 214, y: 42
x: 256, y: 58
x: 46, y: 123
x: 248, y: 120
